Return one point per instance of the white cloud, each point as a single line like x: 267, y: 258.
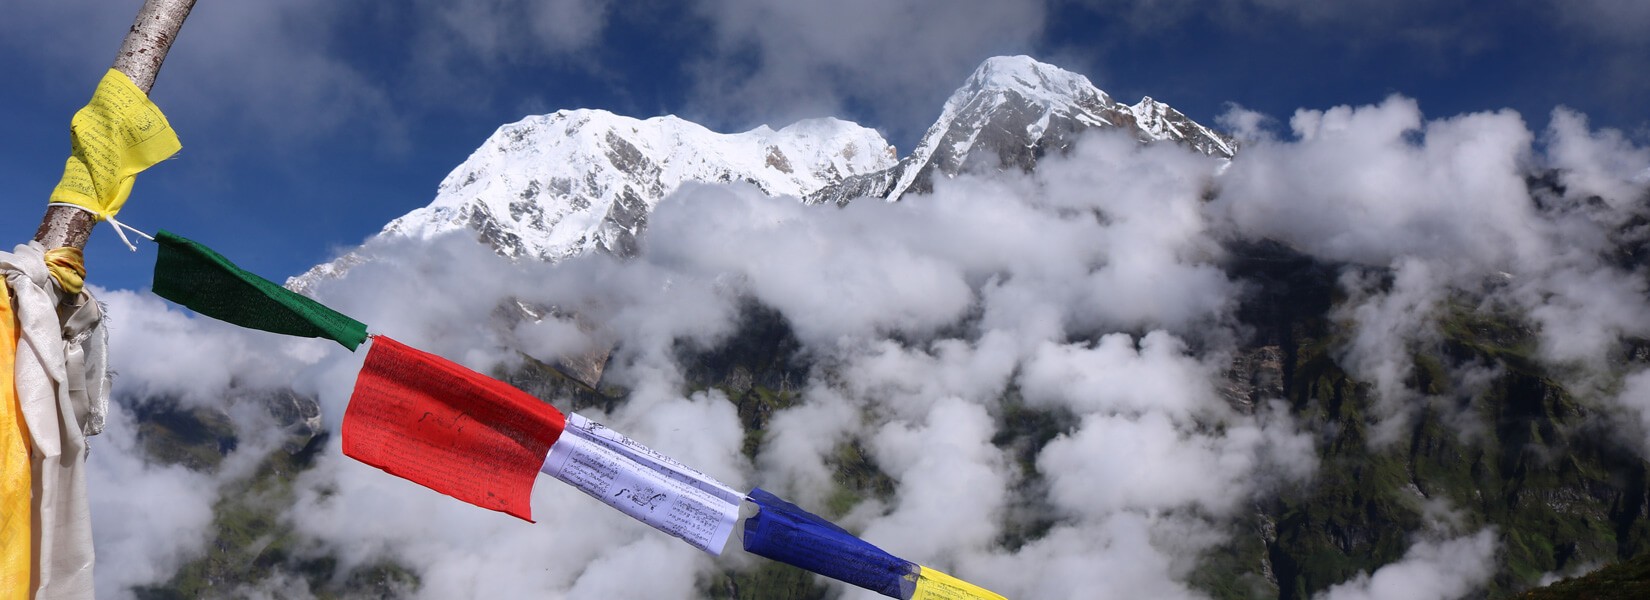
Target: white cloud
x: 1369, y: 184
x: 1119, y: 557
x: 808, y: 59
x: 160, y: 350
x: 147, y: 520
x: 1123, y: 377
x: 953, y: 483
x: 808, y: 262
x: 1634, y: 398
x: 1601, y: 163
x: 800, y: 439
x: 1388, y: 328
x: 1444, y: 203
x: 1441, y: 570
x: 1145, y: 463
x: 916, y: 378
x: 1156, y: 253
x: 279, y: 587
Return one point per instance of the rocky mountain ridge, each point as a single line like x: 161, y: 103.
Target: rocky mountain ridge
x: 553, y: 186
x: 1010, y: 113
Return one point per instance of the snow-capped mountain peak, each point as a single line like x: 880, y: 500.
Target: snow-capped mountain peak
x: 1161, y: 121
x: 1042, y: 83
x: 574, y: 181
x: 577, y: 180
x: 1008, y: 114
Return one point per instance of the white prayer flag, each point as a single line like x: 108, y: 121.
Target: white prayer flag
x: 649, y: 486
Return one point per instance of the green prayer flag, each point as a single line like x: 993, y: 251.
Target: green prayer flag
x: 204, y: 281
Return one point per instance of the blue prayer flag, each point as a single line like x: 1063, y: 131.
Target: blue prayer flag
x: 784, y: 532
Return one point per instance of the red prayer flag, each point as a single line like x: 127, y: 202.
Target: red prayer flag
x: 433, y: 422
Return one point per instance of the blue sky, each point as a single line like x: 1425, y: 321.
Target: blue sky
x: 308, y: 124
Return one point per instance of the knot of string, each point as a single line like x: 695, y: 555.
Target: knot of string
x: 119, y: 226
x: 68, y: 267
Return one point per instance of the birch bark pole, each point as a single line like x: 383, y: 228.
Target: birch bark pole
x: 140, y: 56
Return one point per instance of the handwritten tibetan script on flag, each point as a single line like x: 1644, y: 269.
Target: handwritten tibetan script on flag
x: 433, y: 422
x: 649, y: 486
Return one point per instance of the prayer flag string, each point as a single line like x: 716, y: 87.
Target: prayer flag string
x: 433, y: 422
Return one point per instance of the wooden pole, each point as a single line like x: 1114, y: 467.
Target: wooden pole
x: 140, y: 56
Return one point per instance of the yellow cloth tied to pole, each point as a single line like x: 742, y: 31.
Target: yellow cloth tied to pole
x: 16, y: 483
x: 68, y: 268
x: 115, y: 136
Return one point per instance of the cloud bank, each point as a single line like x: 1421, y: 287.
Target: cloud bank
x: 1091, y: 292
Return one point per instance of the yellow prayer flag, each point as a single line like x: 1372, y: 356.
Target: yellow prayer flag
x: 935, y: 585
x: 16, y: 507
x: 114, y: 137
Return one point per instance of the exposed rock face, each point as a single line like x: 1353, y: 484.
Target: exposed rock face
x: 1009, y: 114
x: 298, y: 415
x: 1256, y: 376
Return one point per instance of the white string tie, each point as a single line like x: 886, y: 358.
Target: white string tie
x: 119, y: 226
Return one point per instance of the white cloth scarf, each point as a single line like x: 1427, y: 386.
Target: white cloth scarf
x: 62, y: 363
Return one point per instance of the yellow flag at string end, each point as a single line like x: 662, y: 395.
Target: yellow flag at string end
x: 935, y: 585
x: 114, y: 137
x: 16, y: 509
